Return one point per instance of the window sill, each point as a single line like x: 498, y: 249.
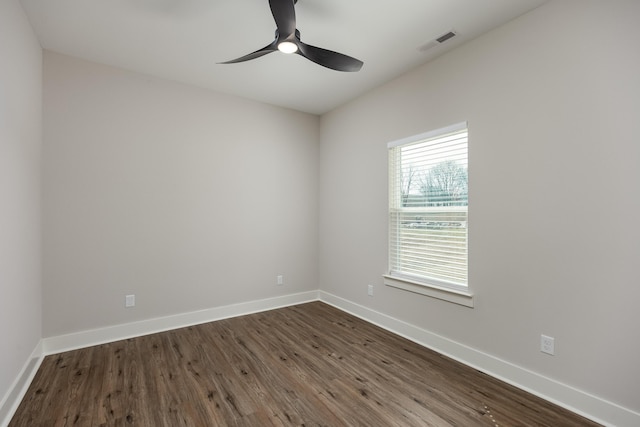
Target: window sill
x: 450, y: 295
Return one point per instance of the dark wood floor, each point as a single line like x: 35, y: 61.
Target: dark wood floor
x: 309, y: 365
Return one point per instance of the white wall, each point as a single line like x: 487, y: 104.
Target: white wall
x: 186, y: 198
x: 20, y: 151
x: 553, y: 105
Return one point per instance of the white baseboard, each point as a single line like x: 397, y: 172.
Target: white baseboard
x: 74, y: 341
x: 592, y: 407
x: 10, y: 402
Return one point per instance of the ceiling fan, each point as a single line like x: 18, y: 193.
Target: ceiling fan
x: 288, y: 41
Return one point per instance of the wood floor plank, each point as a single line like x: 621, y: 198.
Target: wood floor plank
x: 309, y: 364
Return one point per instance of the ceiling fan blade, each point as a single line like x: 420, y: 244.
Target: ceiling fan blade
x: 284, y: 14
x: 253, y: 55
x: 328, y: 58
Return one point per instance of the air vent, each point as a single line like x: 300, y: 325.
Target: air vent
x: 437, y: 41
x: 443, y: 38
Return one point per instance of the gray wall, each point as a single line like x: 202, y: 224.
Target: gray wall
x: 553, y: 101
x: 186, y: 198
x: 20, y: 151
x: 192, y: 199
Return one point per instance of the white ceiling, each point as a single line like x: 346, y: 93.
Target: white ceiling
x: 183, y: 40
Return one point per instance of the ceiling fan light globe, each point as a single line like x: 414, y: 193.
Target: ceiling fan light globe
x: 287, y: 47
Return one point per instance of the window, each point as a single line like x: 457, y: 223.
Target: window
x: 428, y: 202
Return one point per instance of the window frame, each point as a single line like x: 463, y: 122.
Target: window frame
x: 455, y: 293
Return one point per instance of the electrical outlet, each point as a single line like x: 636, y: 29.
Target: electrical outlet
x: 130, y: 301
x: 547, y: 344
x: 370, y: 290
x: 280, y: 280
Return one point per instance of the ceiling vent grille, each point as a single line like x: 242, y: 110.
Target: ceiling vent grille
x: 438, y: 41
x: 443, y: 38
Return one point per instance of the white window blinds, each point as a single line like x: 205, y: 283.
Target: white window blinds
x: 428, y: 202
